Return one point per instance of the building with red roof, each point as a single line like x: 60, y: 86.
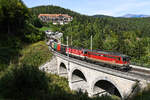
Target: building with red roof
x: 56, y: 18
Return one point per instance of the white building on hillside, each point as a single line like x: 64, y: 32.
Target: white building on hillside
x: 56, y: 18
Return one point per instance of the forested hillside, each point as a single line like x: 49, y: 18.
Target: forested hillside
x: 17, y: 29
x: 130, y: 36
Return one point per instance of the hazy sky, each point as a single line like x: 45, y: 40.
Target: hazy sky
x: 91, y: 7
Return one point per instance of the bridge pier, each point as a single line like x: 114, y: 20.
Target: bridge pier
x: 78, y: 80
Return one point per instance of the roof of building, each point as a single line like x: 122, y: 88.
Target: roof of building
x: 55, y: 15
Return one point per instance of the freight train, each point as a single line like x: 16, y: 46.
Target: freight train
x: 109, y: 59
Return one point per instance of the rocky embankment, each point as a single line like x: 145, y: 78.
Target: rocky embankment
x: 50, y: 66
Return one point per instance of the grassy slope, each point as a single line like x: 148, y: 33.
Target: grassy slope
x: 49, y: 26
x: 35, y: 54
x: 45, y: 28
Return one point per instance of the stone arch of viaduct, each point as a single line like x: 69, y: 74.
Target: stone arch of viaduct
x: 93, y: 81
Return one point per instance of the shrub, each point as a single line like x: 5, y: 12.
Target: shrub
x: 23, y: 82
x: 142, y: 95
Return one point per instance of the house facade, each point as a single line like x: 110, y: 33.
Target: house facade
x: 56, y: 18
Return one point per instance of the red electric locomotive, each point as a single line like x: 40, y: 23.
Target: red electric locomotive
x: 109, y: 58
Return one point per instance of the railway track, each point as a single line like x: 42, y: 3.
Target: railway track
x: 134, y: 71
x: 140, y: 71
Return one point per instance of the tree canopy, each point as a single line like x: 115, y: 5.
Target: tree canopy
x: 17, y: 27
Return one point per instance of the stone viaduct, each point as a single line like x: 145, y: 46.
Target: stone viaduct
x: 97, y: 80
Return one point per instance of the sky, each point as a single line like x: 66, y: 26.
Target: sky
x: 91, y: 7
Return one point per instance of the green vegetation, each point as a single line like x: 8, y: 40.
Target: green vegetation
x: 35, y: 54
x: 130, y: 36
x: 51, y: 27
x: 142, y: 95
x: 17, y: 28
x: 52, y: 10
x: 45, y: 28
x: 22, y: 83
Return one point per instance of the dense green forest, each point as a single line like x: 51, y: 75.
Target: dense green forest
x: 23, y: 50
x: 17, y: 29
x: 130, y: 36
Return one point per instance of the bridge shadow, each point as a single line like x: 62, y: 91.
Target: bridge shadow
x: 105, y: 87
x: 63, y: 70
x: 79, y: 81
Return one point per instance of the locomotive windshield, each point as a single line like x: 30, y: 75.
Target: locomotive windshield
x: 85, y: 52
x: 126, y: 59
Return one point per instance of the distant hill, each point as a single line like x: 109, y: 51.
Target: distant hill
x: 100, y: 16
x: 52, y: 10
x: 135, y: 16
